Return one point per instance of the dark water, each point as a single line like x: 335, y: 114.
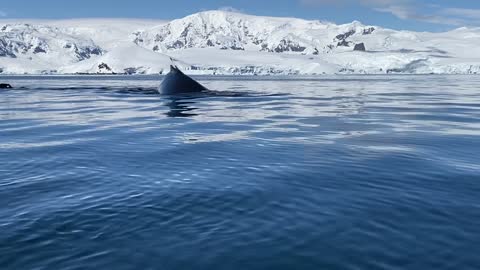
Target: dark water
x: 371, y: 172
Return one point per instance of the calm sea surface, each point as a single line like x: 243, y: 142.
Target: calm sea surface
x: 350, y: 172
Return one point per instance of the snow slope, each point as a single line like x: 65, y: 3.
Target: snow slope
x: 221, y: 42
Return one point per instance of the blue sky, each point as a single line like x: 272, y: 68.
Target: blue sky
x: 420, y: 15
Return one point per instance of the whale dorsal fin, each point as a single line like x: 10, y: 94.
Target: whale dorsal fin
x: 174, y: 68
x: 175, y: 82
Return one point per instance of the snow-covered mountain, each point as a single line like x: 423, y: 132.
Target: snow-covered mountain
x: 23, y: 44
x: 222, y: 42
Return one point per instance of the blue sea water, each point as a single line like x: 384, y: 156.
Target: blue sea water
x: 347, y: 172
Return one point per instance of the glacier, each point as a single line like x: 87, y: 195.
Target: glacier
x: 229, y: 43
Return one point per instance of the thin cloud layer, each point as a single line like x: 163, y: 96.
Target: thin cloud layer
x: 411, y: 10
x: 231, y: 9
x: 463, y: 12
x: 373, y: 3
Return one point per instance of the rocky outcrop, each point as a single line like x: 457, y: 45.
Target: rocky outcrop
x: 103, y: 68
x: 368, y: 31
x: 346, y: 35
x: 134, y: 71
x: 341, y: 39
x: 359, y: 47
x: 343, y: 43
x: 289, y: 46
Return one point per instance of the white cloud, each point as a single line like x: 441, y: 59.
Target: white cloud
x: 410, y: 13
x: 402, y: 12
x: 230, y: 9
x: 463, y: 12
x: 411, y: 10
x: 372, y: 3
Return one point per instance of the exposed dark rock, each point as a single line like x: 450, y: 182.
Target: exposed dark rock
x: 359, y: 47
x: 410, y: 67
x: 159, y: 38
x: 130, y: 71
x: 342, y: 39
x: 94, y: 50
x: 176, y: 45
x: 345, y: 35
x: 134, y: 70
x: 87, y: 52
x: 235, y: 48
x: 343, y: 43
x: 5, y: 50
x: 39, y: 49
x: 138, y: 40
x: 316, y: 52
x: 368, y: 31
x: 104, y: 66
x: 81, y: 53
x: 257, y: 41
x: 288, y: 45
x: 23, y: 48
x: 155, y: 48
x: 346, y: 70
x: 47, y: 72
x: 5, y: 85
x: 5, y: 53
x: 186, y: 30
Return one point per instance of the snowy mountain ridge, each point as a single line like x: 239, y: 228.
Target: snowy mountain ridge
x: 224, y: 30
x: 221, y: 42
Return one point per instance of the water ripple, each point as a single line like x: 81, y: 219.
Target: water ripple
x: 352, y: 172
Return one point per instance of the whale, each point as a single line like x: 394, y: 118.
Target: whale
x: 5, y: 85
x: 176, y: 82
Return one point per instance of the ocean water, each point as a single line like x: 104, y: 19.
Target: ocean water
x: 348, y: 172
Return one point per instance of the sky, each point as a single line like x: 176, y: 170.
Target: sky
x: 418, y: 15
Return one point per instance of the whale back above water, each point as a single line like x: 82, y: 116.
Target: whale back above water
x: 5, y: 85
x: 175, y: 82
